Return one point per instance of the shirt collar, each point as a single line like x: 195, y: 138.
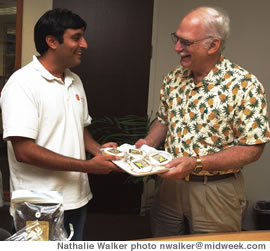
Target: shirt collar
x: 47, y: 75
x: 214, y: 75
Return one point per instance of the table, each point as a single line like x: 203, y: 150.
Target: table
x: 263, y: 235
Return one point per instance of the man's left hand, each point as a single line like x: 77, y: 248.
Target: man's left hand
x: 179, y: 168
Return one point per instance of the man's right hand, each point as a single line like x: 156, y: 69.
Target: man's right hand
x: 155, y: 137
x: 140, y: 142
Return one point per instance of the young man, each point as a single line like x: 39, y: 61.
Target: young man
x: 213, y: 118
x: 45, y: 116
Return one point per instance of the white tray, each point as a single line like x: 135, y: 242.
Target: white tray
x: 123, y: 164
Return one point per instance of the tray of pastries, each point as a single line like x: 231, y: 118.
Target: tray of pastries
x: 141, y: 161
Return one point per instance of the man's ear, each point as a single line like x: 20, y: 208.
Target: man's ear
x: 51, y: 41
x: 214, y: 46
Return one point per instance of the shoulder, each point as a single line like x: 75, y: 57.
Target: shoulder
x: 22, y: 82
x: 239, y: 77
x: 176, y: 72
x: 27, y: 74
x: 23, y: 72
x: 174, y: 76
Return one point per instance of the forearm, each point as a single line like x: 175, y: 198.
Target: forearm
x: 28, y: 152
x: 157, y: 134
x: 232, y: 158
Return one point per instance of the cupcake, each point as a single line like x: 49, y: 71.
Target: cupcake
x: 140, y: 166
x: 113, y: 151
x: 136, y: 153
x: 160, y: 158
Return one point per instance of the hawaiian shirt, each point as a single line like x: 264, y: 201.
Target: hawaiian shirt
x: 227, y: 108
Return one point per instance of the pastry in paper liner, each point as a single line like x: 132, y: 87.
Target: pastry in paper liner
x: 160, y: 158
x: 124, y: 164
x: 113, y: 151
x: 140, y: 166
x: 136, y: 153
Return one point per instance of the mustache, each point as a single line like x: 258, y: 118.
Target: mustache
x: 183, y: 54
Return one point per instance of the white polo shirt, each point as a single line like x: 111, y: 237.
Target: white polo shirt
x: 37, y: 105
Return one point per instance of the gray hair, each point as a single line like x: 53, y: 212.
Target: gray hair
x: 216, y: 22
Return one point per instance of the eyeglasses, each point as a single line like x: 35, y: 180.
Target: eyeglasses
x: 185, y: 42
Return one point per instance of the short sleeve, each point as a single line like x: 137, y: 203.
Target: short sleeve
x: 162, y: 114
x: 251, y: 124
x: 19, y: 110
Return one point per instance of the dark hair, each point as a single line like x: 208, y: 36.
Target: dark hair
x: 55, y: 22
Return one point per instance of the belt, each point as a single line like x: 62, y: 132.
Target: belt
x: 201, y: 178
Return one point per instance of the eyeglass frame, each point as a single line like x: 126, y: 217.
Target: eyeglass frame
x: 186, y: 42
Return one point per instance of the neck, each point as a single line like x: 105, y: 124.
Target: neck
x: 199, y: 75
x: 52, y: 66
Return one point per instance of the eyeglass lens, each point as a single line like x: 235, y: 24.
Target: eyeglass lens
x: 183, y: 41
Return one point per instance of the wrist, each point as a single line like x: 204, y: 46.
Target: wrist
x: 198, y: 165
x: 150, y: 141
x: 96, y: 150
x: 146, y: 141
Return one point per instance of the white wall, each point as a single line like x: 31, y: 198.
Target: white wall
x: 248, y: 46
x: 32, y: 10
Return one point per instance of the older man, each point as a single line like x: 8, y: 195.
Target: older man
x: 213, y: 118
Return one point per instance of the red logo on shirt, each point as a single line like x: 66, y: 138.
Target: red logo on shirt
x: 78, y: 97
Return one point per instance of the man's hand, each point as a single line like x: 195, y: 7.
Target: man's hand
x: 102, y: 165
x: 140, y: 142
x: 27, y: 151
x: 109, y: 144
x: 155, y: 137
x: 179, y: 168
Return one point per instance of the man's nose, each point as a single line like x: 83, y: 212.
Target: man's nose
x: 178, y: 46
x: 83, y: 43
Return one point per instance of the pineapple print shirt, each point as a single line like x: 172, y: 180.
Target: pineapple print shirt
x: 228, y: 107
